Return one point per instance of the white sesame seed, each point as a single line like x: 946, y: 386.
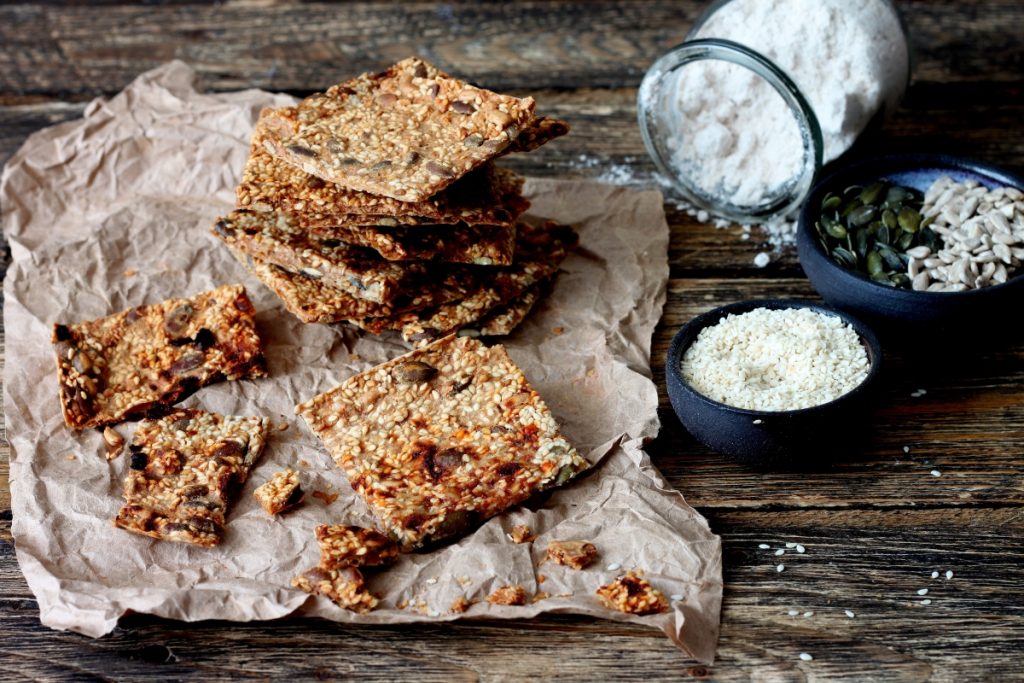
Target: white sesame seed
x: 850, y: 613
x: 935, y: 575
x: 780, y: 567
x: 801, y: 549
x: 926, y: 601
x: 780, y: 552
x: 758, y: 422
x: 793, y: 612
x: 764, y: 546
x: 808, y: 615
x: 791, y: 545
x: 676, y: 597
x: 906, y: 449
x: 949, y: 574
x: 762, y: 259
x: 614, y: 566
x: 936, y: 473
x: 434, y: 614
x: 806, y: 657
x: 923, y: 591
x: 431, y: 582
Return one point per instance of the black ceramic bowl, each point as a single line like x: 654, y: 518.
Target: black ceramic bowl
x: 793, y: 438
x: 902, y: 315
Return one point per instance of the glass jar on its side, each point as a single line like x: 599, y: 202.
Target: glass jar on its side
x: 741, y: 116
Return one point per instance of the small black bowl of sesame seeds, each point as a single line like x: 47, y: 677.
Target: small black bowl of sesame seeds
x: 773, y: 383
x: 918, y: 246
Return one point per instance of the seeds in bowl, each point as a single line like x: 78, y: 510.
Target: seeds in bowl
x: 871, y: 229
x: 776, y: 359
x: 982, y: 237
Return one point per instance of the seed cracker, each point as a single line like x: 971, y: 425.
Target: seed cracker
x: 632, y: 594
x: 482, y: 245
x: 405, y: 133
x: 442, y: 438
x: 488, y: 195
x: 185, y: 470
x: 142, y: 360
x: 311, y: 301
x: 342, y: 545
x: 274, y: 238
x: 540, y: 251
x: 345, y: 587
x: 502, y: 320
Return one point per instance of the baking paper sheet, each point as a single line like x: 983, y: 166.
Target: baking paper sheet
x: 113, y: 211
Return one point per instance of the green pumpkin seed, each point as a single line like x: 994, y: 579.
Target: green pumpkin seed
x: 860, y: 242
x: 905, y: 240
x: 844, y: 257
x: 831, y: 202
x: 835, y: 229
x: 871, y: 193
x: 889, y: 218
x: 862, y: 215
x: 910, y: 220
x: 882, y: 235
x: 874, y: 263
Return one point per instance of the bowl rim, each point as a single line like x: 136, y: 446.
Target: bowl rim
x: 902, y: 163
x: 677, y: 347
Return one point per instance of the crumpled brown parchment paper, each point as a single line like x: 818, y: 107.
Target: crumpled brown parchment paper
x: 113, y: 210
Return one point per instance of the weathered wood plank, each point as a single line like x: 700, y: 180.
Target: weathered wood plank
x: 870, y: 562
x: 289, y: 46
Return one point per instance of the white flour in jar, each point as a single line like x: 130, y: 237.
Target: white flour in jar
x: 736, y: 136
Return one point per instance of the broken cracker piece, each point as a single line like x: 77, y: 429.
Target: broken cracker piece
x: 114, y: 441
x: 442, y: 438
x: 353, y: 546
x: 508, y: 595
x: 521, y: 533
x: 281, y: 492
x: 575, y: 554
x: 345, y: 587
x: 632, y: 594
x: 460, y: 605
x: 185, y: 470
x: 142, y: 360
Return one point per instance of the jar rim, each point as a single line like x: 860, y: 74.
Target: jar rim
x: 717, y: 49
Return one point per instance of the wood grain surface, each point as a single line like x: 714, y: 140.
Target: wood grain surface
x: 874, y: 526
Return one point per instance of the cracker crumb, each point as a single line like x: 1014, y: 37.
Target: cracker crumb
x: 558, y: 331
x: 344, y: 586
x: 541, y: 578
x: 633, y: 595
x: 327, y: 498
x: 540, y: 596
x: 281, y: 492
x: 463, y: 580
x: 283, y: 427
x: 303, y: 463
x: 575, y: 554
x: 521, y: 534
x: 460, y: 605
x: 71, y: 456
x: 508, y: 595
x: 114, y: 441
x: 131, y: 272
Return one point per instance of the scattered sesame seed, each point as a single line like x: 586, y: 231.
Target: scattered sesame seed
x: 850, y: 613
x: 923, y: 591
x: 764, y: 546
x: 791, y: 545
x: 758, y: 422
x: 676, y: 597
x: 614, y: 566
x: 780, y: 552
x: 793, y: 612
x: 806, y: 657
x: 926, y: 601
x: 801, y: 549
x: 906, y: 449
x: 935, y: 575
x: 780, y: 567
x: 431, y: 581
x: 936, y: 473
x: 949, y: 574
x: 762, y: 259
x: 808, y: 615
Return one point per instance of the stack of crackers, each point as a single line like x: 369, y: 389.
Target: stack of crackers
x: 377, y: 203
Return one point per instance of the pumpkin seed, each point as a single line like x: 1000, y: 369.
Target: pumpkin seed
x: 874, y: 263
x: 910, y: 220
x: 831, y: 202
x: 862, y: 215
x: 889, y: 219
x: 870, y: 193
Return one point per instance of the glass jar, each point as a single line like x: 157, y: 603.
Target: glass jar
x: 740, y: 117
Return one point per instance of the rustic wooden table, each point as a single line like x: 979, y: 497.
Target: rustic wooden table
x: 875, y: 527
